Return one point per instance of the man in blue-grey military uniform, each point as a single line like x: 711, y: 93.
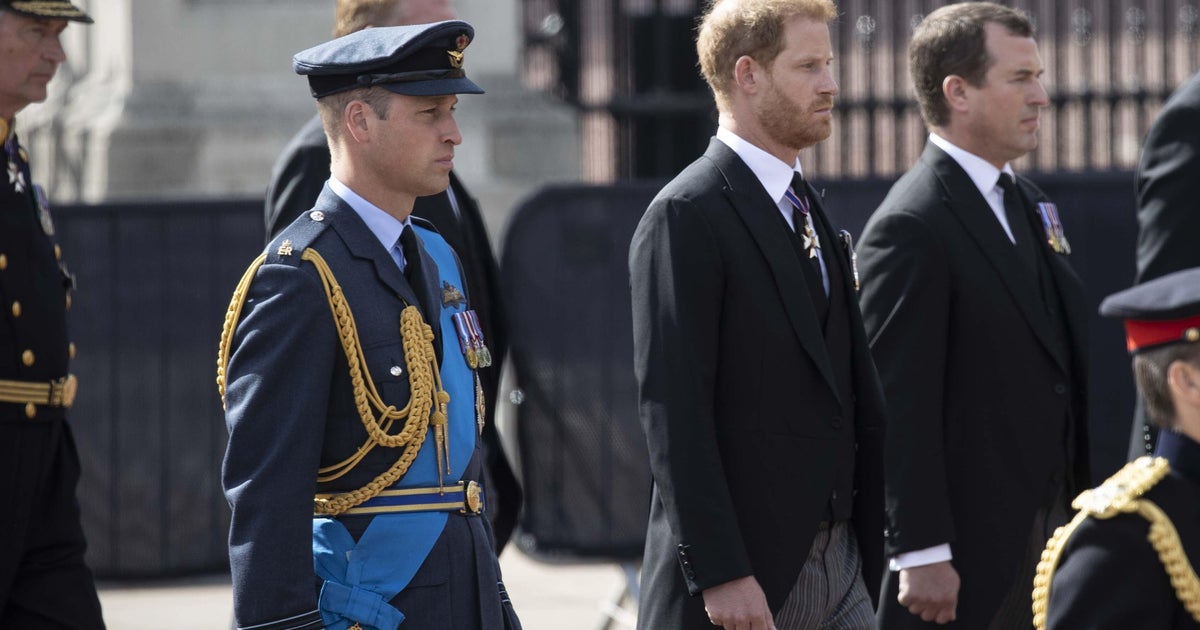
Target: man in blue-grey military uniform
x: 1127, y: 559
x: 44, y: 582
x: 348, y: 368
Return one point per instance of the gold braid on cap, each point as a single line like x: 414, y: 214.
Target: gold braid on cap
x: 1121, y: 494
x: 424, y: 379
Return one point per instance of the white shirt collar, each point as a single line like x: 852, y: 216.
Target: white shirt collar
x: 384, y: 226
x: 984, y: 175
x: 775, y: 176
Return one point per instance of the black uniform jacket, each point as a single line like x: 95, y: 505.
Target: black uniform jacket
x: 1111, y: 578
x: 983, y: 390
x: 737, y: 396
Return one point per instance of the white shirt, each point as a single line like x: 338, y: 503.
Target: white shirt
x: 776, y: 177
x: 985, y: 177
x: 384, y: 226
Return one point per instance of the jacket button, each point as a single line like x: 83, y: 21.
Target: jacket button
x: 68, y: 300
x: 3, y: 262
x: 16, y: 308
x: 1060, y: 389
x: 27, y: 358
x: 71, y: 350
x: 837, y: 422
x: 30, y: 410
x: 57, y: 252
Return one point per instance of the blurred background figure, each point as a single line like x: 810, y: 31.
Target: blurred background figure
x: 44, y: 582
x: 1168, y: 215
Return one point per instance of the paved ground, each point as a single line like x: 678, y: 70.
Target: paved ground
x: 547, y: 597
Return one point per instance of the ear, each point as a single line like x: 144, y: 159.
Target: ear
x: 747, y: 74
x: 357, y: 118
x: 1184, y: 381
x: 954, y: 90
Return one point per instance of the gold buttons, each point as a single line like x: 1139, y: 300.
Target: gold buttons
x: 68, y: 301
x: 57, y: 252
x: 30, y: 410
x: 71, y: 349
x: 27, y: 358
x: 3, y: 262
x: 16, y: 308
x: 1192, y: 335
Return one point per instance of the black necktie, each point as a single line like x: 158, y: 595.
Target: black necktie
x: 1018, y: 222
x: 810, y: 244
x: 412, y: 258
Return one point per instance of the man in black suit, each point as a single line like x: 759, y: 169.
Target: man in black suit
x: 761, y: 407
x: 976, y: 322
x: 297, y: 179
x: 1168, y: 220
x: 1144, y: 522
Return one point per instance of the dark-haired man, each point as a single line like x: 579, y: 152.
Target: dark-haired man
x: 976, y: 323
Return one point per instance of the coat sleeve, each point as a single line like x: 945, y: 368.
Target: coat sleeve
x: 1110, y: 578
x: 1167, y: 188
x: 277, y: 395
x: 677, y: 281
x: 905, y: 299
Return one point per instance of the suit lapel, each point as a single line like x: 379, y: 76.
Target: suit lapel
x: 972, y: 210
x: 750, y: 201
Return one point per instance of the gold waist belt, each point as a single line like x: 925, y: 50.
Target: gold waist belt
x: 57, y: 393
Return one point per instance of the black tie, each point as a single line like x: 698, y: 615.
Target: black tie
x: 412, y: 258
x: 1018, y: 222
x: 810, y: 265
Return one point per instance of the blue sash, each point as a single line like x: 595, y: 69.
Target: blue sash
x: 360, y: 579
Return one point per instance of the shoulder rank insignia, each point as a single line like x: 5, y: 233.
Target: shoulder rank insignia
x: 285, y: 248
x: 451, y: 296
x: 1122, y: 494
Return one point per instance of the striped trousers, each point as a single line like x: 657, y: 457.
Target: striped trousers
x: 830, y: 593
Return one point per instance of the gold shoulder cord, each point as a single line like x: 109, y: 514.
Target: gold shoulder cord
x: 1121, y: 494
x: 424, y: 378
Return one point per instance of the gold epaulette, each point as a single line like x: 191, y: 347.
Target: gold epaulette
x: 1122, y: 494
x: 427, y: 404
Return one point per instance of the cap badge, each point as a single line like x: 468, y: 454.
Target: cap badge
x: 462, y: 42
x: 456, y: 59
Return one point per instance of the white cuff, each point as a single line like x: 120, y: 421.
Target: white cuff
x: 920, y: 557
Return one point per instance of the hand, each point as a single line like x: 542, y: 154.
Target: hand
x: 930, y: 591
x: 738, y: 605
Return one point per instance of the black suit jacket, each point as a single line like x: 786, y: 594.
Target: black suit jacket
x: 1168, y: 188
x: 977, y: 388
x: 737, y: 396
x: 1168, y: 217
x: 296, y: 182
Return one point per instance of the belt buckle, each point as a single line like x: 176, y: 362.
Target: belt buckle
x: 472, y: 498
x: 63, y: 390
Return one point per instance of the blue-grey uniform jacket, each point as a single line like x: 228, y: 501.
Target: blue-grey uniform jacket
x: 290, y: 410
